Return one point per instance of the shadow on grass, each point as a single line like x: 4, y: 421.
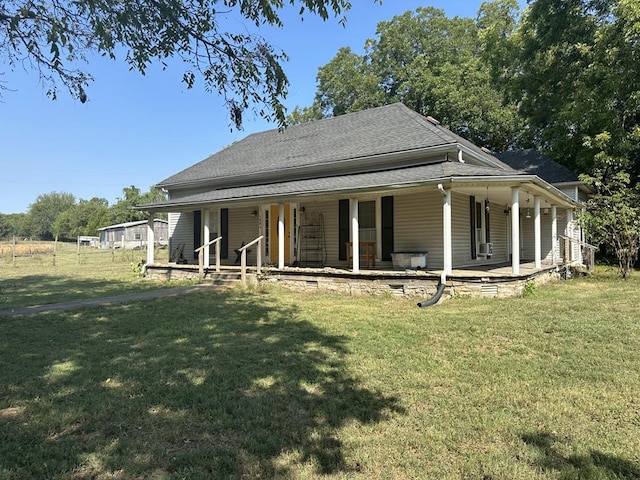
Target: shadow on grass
x: 39, y: 290
x: 556, y: 455
x: 220, y: 385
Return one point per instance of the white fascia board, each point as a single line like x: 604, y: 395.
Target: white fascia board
x: 479, y: 157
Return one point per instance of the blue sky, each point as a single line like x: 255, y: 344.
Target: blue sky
x: 138, y: 130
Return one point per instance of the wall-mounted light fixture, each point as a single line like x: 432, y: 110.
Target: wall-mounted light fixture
x: 507, y: 209
x: 254, y: 214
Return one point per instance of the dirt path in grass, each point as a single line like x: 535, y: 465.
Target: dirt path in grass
x: 103, y: 301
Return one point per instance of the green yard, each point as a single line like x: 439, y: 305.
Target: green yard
x: 271, y: 384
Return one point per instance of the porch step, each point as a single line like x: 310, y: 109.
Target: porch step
x: 222, y: 278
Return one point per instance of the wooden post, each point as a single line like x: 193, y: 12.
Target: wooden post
x: 55, y: 249
x: 13, y: 250
x: 78, y: 249
x: 243, y: 267
x: 201, y: 264
x: 259, y: 255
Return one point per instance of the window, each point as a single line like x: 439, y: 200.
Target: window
x: 137, y: 236
x: 367, y: 221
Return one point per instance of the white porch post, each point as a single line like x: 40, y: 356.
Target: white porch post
x: 446, y: 232
x: 569, y: 234
x: 515, y: 231
x: 281, y: 236
x: 537, y: 235
x: 554, y: 235
x: 151, y: 239
x: 206, y: 237
x: 355, y: 235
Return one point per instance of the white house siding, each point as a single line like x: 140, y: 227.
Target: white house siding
x: 460, y: 231
x: 527, y: 237
x: 181, y: 233
x: 243, y: 227
x: 329, y: 211
x: 500, y: 227
x: 418, y: 225
x: 570, y: 191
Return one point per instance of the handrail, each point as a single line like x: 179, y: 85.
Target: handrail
x: 200, y: 251
x: 207, y: 244
x: 590, y: 257
x: 243, y: 258
x: 582, y: 243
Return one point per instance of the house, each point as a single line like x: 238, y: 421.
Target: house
x: 397, y: 184
x: 133, y: 235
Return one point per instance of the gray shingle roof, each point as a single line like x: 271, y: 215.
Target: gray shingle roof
x: 347, y: 183
x: 375, y: 132
x: 534, y: 163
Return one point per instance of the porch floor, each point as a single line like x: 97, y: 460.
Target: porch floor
x: 494, y: 271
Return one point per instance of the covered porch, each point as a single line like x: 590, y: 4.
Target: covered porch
x: 462, y: 224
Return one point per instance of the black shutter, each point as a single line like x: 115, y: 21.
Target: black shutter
x: 472, y: 218
x: 197, y: 231
x: 387, y: 227
x: 343, y: 228
x: 486, y: 221
x: 224, y: 233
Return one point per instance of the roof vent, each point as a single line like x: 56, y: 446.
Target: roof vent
x: 486, y: 150
x: 433, y: 120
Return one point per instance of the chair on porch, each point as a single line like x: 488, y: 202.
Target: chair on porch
x: 178, y: 255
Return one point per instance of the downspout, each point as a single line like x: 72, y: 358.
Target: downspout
x: 433, y: 300
x: 443, y: 276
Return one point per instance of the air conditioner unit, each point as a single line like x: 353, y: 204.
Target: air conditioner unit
x: 486, y: 249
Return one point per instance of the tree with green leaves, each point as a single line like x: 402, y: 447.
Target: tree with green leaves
x: 14, y: 224
x: 83, y: 218
x: 433, y: 64
x: 54, y: 37
x: 612, y: 213
x: 575, y: 76
x: 45, y: 210
x: 124, y: 209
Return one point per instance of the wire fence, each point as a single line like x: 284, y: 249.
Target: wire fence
x: 23, y: 251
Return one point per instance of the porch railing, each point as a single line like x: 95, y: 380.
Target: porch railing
x: 588, y: 251
x: 200, y: 252
x: 243, y: 258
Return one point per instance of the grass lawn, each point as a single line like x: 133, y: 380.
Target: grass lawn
x: 271, y: 384
x: 42, y: 279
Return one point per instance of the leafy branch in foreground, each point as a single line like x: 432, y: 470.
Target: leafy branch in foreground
x: 53, y: 36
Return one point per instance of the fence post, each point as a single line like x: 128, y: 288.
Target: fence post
x: 55, y: 250
x: 78, y: 249
x: 13, y: 250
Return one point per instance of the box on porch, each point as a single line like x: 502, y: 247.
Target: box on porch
x: 409, y: 260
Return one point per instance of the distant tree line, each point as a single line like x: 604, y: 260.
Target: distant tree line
x: 61, y: 215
